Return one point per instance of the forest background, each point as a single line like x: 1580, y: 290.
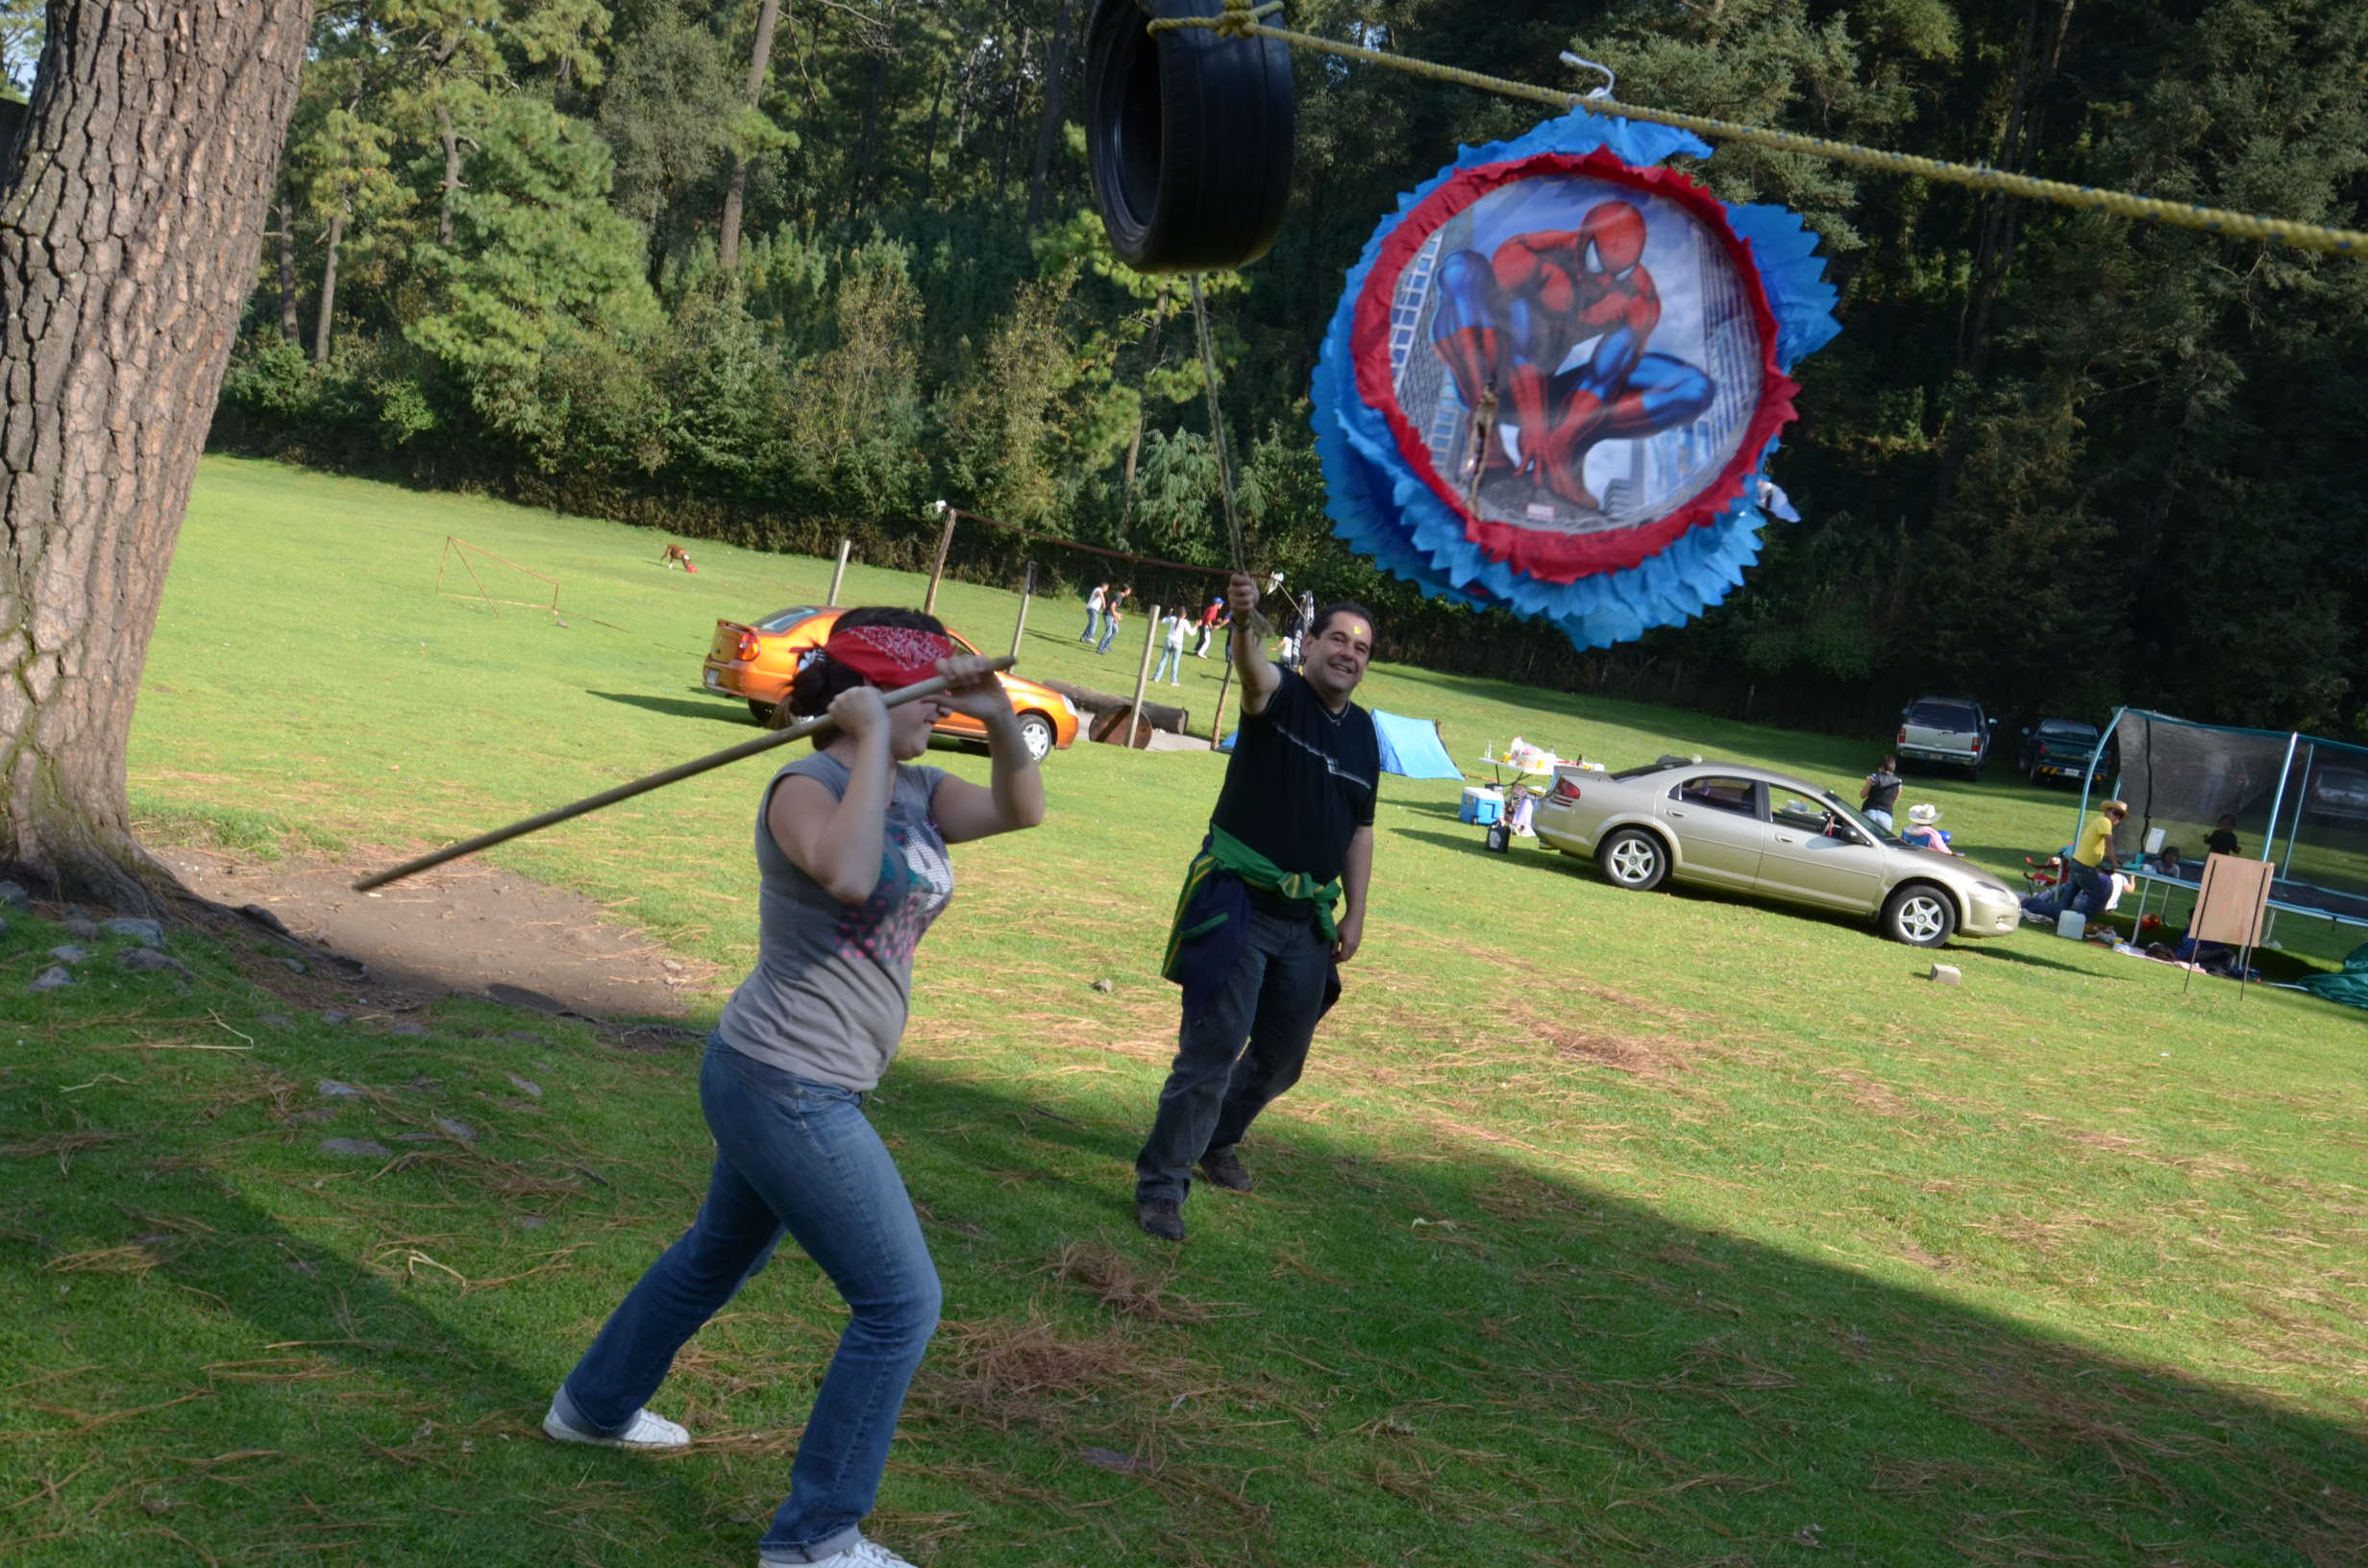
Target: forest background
x: 776, y: 271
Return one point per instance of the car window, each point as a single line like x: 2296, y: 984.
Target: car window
x: 1948, y: 716
x: 1645, y: 772
x: 1806, y: 815
x: 1736, y: 795
x: 783, y: 620
x: 2064, y: 730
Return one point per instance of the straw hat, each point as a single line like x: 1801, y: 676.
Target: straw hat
x: 1924, y: 816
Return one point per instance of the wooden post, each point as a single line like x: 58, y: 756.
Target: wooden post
x: 1217, y: 725
x: 1142, y: 675
x: 945, y: 543
x: 839, y: 573
x: 1028, y: 590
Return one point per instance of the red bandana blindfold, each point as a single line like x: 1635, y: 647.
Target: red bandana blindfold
x: 890, y: 656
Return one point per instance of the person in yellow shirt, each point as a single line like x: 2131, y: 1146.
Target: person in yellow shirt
x: 2083, y: 875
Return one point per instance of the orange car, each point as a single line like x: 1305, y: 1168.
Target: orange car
x: 757, y: 663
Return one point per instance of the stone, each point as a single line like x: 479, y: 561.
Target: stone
x: 1105, y: 985
x: 87, y: 930
x: 529, y: 1222
x: 528, y: 1087
x: 670, y: 966
x: 68, y: 953
x: 333, y: 1016
x: 410, y: 1030
x: 15, y: 896
x: 144, y: 960
x: 293, y: 966
x: 319, y: 1114
x: 53, y: 978
x: 1947, y: 974
x: 460, y: 1130
x: 277, y: 1021
x: 366, y: 1148
x: 330, y: 1089
x: 417, y: 1138
x: 147, y: 933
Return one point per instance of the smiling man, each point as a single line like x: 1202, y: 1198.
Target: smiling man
x: 1256, y: 944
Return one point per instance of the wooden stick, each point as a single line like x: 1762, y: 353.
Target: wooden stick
x: 644, y: 785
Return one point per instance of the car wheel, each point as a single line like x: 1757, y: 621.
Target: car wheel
x: 1634, y: 859
x: 1919, y: 915
x: 1036, y: 730
x: 761, y: 712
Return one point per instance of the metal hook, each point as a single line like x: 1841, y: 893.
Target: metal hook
x: 1610, y: 80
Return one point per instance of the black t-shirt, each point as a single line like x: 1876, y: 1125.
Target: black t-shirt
x: 1886, y: 790
x: 1301, y: 780
x: 2220, y: 841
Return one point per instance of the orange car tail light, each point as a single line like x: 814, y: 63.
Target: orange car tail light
x: 747, y: 648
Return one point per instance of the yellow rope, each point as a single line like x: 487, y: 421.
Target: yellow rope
x: 1239, y: 20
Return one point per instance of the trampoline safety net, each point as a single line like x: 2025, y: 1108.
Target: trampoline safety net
x: 2299, y: 802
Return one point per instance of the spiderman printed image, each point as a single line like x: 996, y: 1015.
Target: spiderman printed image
x: 1546, y: 337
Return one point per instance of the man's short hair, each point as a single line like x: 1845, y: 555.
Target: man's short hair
x: 1345, y: 607
x: 1887, y: 762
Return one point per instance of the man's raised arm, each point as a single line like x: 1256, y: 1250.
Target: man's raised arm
x: 1249, y: 649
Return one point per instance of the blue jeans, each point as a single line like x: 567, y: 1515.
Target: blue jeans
x: 801, y: 1157
x: 1216, y: 1088
x: 1092, y: 626
x: 1109, y: 635
x: 1168, y: 666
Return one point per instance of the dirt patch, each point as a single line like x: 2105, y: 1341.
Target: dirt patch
x: 465, y: 927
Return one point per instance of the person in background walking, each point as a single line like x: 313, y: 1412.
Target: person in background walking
x: 1171, y: 662
x: 1095, y: 603
x: 1881, y: 793
x: 1213, y: 619
x: 1110, y: 628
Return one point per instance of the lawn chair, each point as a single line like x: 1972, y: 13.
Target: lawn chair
x: 2044, y: 875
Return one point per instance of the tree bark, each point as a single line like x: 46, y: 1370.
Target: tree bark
x: 761, y: 60
x: 452, y: 175
x: 1048, y: 121
x: 328, y: 289
x: 929, y: 147
x: 291, y: 328
x: 132, y: 215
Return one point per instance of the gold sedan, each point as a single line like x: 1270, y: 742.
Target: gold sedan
x: 1748, y: 830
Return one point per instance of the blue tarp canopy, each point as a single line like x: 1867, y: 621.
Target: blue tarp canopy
x: 1410, y: 747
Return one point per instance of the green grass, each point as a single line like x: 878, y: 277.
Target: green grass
x: 1603, y: 1228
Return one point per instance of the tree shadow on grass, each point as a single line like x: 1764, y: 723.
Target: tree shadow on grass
x: 1483, y: 1356
x: 1424, y: 1346
x: 676, y: 707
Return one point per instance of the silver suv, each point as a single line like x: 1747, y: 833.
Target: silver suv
x: 1945, y: 731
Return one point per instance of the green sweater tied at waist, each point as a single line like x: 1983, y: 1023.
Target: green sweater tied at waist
x: 1198, y: 914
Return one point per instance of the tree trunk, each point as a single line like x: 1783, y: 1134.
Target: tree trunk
x: 929, y: 147
x: 328, y: 289
x: 452, y: 175
x: 291, y: 328
x: 132, y: 214
x: 1048, y: 121
x: 761, y: 60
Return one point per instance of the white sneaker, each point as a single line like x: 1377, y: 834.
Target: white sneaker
x: 643, y: 1430
x: 866, y: 1552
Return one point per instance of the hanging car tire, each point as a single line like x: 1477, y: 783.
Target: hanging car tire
x: 761, y: 712
x: 1189, y: 137
x: 1919, y: 915
x: 1634, y: 859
